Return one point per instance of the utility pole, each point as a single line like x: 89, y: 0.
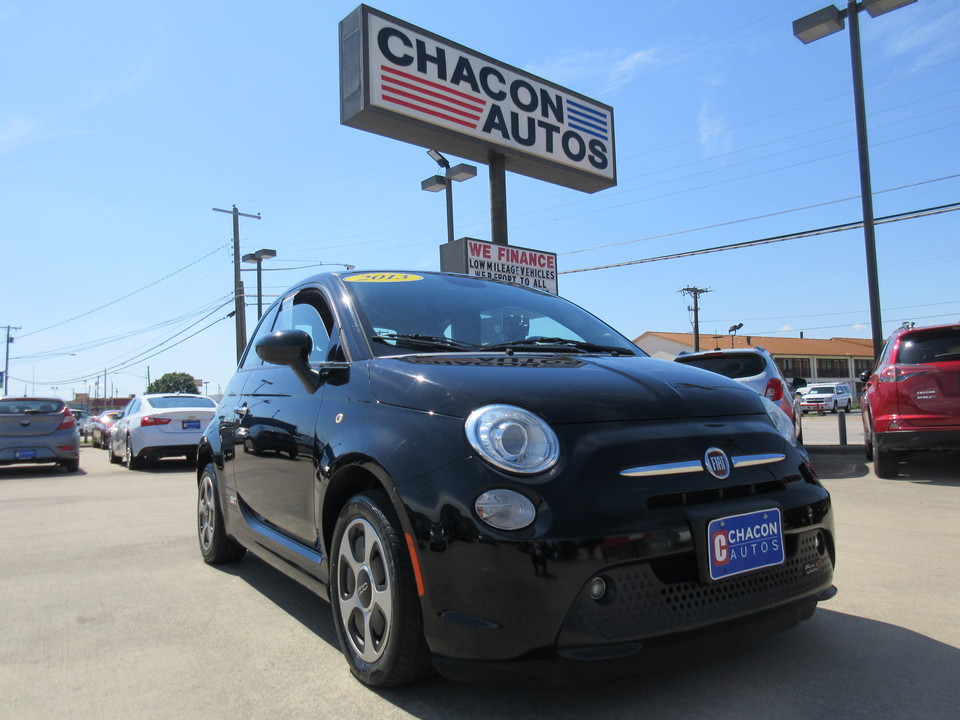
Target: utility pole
x: 695, y: 293
x: 237, y: 285
x: 6, y: 363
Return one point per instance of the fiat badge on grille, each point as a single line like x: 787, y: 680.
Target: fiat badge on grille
x: 717, y: 463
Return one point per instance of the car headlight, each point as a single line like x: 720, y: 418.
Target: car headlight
x: 512, y: 439
x: 780, y: 420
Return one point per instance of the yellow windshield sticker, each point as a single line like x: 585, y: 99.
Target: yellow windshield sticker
x: 383, y: 277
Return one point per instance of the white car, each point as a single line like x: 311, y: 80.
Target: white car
x: 159, y: 425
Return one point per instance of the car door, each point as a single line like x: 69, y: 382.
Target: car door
x: 274, y: 465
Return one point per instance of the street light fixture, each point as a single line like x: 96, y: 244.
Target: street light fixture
x: 732, y: 331
x: 436, y: 183
x: 258, y: 257
x: 812, y: 27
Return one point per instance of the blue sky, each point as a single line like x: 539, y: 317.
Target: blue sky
x: 123, y: 124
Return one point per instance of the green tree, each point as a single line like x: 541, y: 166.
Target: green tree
x: 174, y: 382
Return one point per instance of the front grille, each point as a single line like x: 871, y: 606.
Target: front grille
x: 699, y: 497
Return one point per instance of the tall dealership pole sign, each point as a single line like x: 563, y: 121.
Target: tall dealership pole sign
x: 408, y: 84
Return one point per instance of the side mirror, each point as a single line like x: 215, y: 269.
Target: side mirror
x: 865, y: 376
x: 799, y: 382
x: 290, y: 348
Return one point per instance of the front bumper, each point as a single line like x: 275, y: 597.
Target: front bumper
x: 493, y: 596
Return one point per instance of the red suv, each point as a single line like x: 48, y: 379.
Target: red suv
x: 912, y: 398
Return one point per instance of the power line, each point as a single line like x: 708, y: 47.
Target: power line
x: 759, y: 217
x: 778, y: 238
x: 129, y: 295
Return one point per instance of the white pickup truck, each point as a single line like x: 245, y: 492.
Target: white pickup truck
x: 826, y: 397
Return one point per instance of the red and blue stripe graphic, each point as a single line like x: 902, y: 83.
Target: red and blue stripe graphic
x: 587, y: 120
x: 414, y: 92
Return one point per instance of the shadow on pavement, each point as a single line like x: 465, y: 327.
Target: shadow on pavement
x: 846, y: 464
x: 832, y: 666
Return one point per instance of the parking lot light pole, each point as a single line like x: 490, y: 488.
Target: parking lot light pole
x: 817, y: 25
x: 258, y: 257
x: 436, y: 183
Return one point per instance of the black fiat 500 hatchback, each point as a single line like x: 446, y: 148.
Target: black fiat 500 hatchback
x: 476, y: 474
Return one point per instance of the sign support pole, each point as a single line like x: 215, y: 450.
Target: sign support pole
x: 498, y: 199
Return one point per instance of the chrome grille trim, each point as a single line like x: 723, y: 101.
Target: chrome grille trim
x: 751, y: 460
x: 692, y: 466
x: 677, y: 468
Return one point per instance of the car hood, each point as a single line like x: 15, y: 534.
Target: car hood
x: 560, y: 388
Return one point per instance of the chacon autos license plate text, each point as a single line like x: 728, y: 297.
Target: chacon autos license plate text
x: 746, y: 542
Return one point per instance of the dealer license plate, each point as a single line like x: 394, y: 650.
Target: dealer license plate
x: 191, y: 424
x: 25, y: 454
x: 743, y: 543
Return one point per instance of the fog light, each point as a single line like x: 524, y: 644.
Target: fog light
x: 598, y: 588
x: 505, y: 509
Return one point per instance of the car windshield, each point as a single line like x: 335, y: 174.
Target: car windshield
x: 930, y: 347
x: 822, y: 391
x: 24, y: 406
x: 165, y: 403
x: 732, y: 365
x: 437, y: 313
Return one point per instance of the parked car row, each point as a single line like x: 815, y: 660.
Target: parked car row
x: 476, y: 474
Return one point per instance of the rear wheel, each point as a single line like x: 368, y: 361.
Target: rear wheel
x: 886, y: 463
x: 216, y: 546
x: 374, y: 597
x: 71, y: 466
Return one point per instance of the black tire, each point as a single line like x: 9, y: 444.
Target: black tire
x: 835, y: 408
x: 886, y: 464
x: 71, y: 466
x: 216, y: 546
x: 868, y: 447
x: 129, y: 459
x: 373, y: 594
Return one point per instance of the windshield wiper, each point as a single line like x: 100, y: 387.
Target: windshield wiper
x: 422, y: 341
x: 563, y: 344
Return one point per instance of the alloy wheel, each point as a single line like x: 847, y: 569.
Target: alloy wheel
x: 365, y: 593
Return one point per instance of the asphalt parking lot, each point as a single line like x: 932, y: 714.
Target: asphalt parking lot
x: 109, y: 612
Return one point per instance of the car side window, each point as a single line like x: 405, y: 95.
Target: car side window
x: 251, y: 359
x: 308, y: 311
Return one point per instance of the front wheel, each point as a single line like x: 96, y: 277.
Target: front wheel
x: 374, y: 597
x: 129, y: 459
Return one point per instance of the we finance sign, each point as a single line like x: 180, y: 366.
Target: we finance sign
x: 522, y: 266
x: 403, y: 82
